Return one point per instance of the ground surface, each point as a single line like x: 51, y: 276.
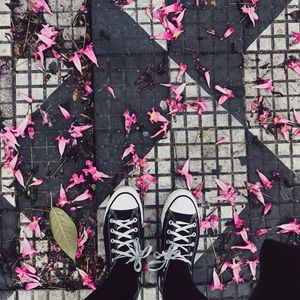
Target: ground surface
x: 124, y: 50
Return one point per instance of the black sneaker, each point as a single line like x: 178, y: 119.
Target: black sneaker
x: 181, y: 228
x: 123, y: 230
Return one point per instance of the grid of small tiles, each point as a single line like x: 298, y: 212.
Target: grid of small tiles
x: 273, y: 47
x: 6, y: 95
x: 22, y: 77
x: 193, y: 137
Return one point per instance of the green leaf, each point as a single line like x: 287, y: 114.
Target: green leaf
x: 64, y: 231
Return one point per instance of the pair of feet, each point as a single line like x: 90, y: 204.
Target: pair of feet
x: 123, y: 231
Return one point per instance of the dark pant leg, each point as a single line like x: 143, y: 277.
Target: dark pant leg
x: 179, y: 283
x: 121, y: 284
x: 279, y: 272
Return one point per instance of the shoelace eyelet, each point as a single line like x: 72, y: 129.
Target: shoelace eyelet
x: 194, y: 234
x: 134, y: 220
x: 191, y: 254
x: 168, y: 231
x: 135, y: 229
x: 111, y: 220
x: 170, y: 222
x: 112, y: 230
x: 194, y: 224
x: 112, y: 241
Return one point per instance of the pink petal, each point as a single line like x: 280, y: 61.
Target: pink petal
x: 36, y: 182
x: 220, y: 140
x: 267, y: 208
x: 297, y: 116
x: 111, y: 91
x: 216, y: 284
x: 228, y: 32
x: 207, y: 77
x: 76, y: 61
x: 65, y: 113
x: 31, y: 285
x: 19, y: 177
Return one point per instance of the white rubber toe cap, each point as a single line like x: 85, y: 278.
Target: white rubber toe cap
x: 180, y: 201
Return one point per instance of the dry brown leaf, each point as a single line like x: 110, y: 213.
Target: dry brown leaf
x: 75, y: 95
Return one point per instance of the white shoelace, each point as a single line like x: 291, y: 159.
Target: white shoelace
x: 134, y: 252
x: 176, y: 250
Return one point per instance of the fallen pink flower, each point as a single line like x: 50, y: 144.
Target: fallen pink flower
x: 203, y: 225
x: 87, y: 87
x: 262, y: 231
x: 228, y: 33
x: 27, y: 273
x: 267, y: 208
x: 27, y: 250
x: 182, y: 69
x: 254, y: 188
x: 236, y: 270
x: 62, y: 199
x: 80, y: 243
x: 238, y: 222
x: 111, y: 91
x: 214, y: 222
x: 200, y: 105
x: 20, y: 130
x: 11, y: 164
x: 294, y: 65
x: 62, y: 143
x: 163, y: 130
x: 87, y: 279
x: 198, y: 190
x: 139, y: 162
x: 207, y: 77
x: 48, y: 31
x: 155, y: 116
x: 75, y: 180
x: 32, y: 285
x: 92, y: 170
x: 129, y: 120
x: 34, y: 226
x: 250, y: 247
x: 266, y: 84
x: 266, y: 182
x: 226, y: 94
x: 8, y: 137
x: 297, y: 37
x: 143, y: 183
x: 254, y: 1
x: 216, y: 284
x: 285, y: 130
x: 38, y: 5
x: 89, y: 52
x: 185, y: 172
x: 227, y: 192
x: 19, y: 177
x: 84, y: 196
x: 76, y: 131
x: 76, y: 61
x: 47, y: 41
x: 129, y: 150
x: 221, y: 140
x: 64, y: 112
x: 291, y: 227
x: 36, y: 182
x: 250, y: 11
x: 255, y: 104
x: 253, y: 265
x: 244, y: 234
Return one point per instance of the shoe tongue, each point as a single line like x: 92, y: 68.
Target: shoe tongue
x: 182, y: 217
x: 123, y: 214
